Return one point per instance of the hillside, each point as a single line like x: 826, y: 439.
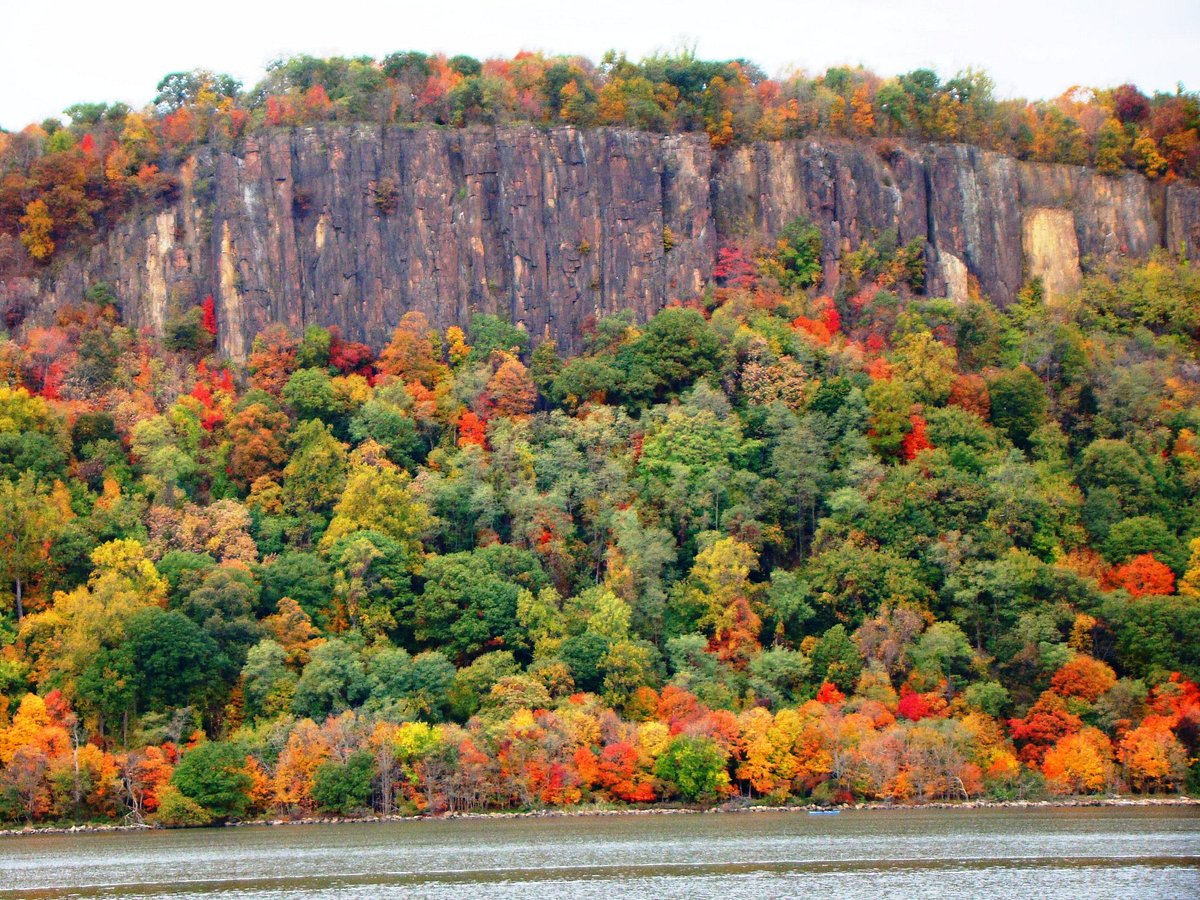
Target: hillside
x: 360, y: 456
x: 772, y: 543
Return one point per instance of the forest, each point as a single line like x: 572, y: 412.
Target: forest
x: 769, y: 546
x: 62, y: 182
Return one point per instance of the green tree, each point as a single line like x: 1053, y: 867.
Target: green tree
x: 173, y: 658
x: 372, y: 580
x: 836, y: 659
x: 267, y: 684
x: 388, y: 426
x: 488, y: 332
x: 343, y: 787
x: 310, y: 393
x: 797, y: 255
x: 942, y: 652
x: 313, y: 352
x: 334, y: 680
x: 305, y: 577
x: 379, y: 500
x: 469, y: 600
x: 694, y: 768
x: 213, y: 775
x: 1019, y: 404
x: 891, y: 407
x: 315, y: 476
x: 224, y: 606
x: 422, y: 682
x: 675, y: 348
x: 473, y: 682
x: 28, y: 519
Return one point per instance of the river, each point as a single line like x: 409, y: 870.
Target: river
x: 1027, y: 853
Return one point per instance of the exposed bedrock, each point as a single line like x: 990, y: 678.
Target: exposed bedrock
x: 353, y: 226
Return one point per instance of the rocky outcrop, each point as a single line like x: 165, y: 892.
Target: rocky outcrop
x: 354, y: 226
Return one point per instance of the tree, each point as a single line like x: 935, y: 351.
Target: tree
x: 224, y: 605
x: 172, y: 657
x: 473, y: 682
x: 273, y: 359
x: 1189, y: 585
x: 926, y: 364
x: 1144, y: 575
x: 1019, y: 404
x: 387, y: 425
x: 489, y: 333
x: 212, y: 774
x: 37, y: 228
x: 303, y: 577
x: 29, y: 520
x: 1079, y: 763
x: 720, y: 577
x: 315, y: 475
x: 372, y: 581
x: 891, y: 416
x: 836, y: 659
x: 862, y: 117
x: 199, y: 86
x: 380, y: 500
x: 694, y: 768
x: 67, y: 637
x: 797, y: 256
x: 335, y: 680
x: 1083, y: 677
x: 315, y: 348
x: 674, y: 349
x: 185, y: 331
x: 1153, y: 757
x: 310, y: 393
x: 941, y: 653
x: 799, y: 462
x: 420, y: 682
x: 267, y: 684
x: 510, y: 391
x: 343, y: 787
x: 411, y: 355
x: 255, y: 446
x: 469, y: 600
x: 177, y: 810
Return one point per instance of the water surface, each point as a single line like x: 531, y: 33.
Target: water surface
x: 1031, y: 853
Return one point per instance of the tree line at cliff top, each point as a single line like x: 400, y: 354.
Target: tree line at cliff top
x: 61, y: 182
x: 768, y: 544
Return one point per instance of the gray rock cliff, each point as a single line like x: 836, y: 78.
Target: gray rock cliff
x: 354, y: 226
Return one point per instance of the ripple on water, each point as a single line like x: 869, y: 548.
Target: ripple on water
x: 1097, y: 853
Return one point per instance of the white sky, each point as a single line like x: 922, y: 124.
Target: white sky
x: 52, y: 55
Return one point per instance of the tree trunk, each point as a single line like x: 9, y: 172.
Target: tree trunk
x: 20, y: 601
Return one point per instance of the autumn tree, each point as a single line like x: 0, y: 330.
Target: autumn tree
x: 37, y: 229
x: 1144, y: 575
x: 510, y: 391
x: 255, y: 446
x: 29, y: 519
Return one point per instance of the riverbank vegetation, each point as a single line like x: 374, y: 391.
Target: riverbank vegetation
x: 768, y: 544
x: 63, y: 181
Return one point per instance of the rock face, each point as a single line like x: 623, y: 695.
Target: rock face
x: 354, y: 226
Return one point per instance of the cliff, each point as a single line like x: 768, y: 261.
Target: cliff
x: 353, y: 226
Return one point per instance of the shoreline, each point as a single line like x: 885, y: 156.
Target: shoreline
x: 870, y: 806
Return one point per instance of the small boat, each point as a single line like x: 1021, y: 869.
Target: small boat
x: 824, y: 812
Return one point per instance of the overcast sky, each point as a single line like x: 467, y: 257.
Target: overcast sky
x: 70, y: 51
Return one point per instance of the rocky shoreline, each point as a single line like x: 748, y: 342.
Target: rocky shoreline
x: 727, y: 809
